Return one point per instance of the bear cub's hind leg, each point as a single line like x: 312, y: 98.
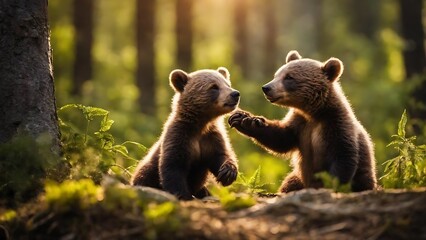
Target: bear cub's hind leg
x: 291, y: 183
x: 202, y: 193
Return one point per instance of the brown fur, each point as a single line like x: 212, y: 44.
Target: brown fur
x: 194, y: 140
x: 320, y: 130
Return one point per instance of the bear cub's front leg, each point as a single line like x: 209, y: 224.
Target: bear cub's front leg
x: 227, y: 173
x: 246, y: 123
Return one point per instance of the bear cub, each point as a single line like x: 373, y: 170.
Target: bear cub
x: 320, y: 129
x: 194, y: 140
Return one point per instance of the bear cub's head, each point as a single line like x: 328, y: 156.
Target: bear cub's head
x: 206, y: 92
x: 302, y: 82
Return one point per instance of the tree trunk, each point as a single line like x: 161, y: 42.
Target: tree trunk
x: 412, y: 32
x: 27, y: 93
x: 184, y: 33
x: 270, y: 43
x: 145, y: 76
x: 83, y: 26
x: 414, y: 54
x: 364, y: 17
x: 241, y: 36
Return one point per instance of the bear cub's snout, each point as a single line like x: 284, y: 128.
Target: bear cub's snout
x: 235, y: 95
x: 266, y: 88
x: 234, y: 99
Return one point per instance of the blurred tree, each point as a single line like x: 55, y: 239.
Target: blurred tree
x: 270, y: 43
x: 241, y: 57
x: 83, y: 27
x: 363, y: 17
x: 145, y: 73
x: 319, y: 34
x: 27, y: 100
x: 414, y: 53
x: 184, y: 33
x: 412, y: 32
x: 364, y: 20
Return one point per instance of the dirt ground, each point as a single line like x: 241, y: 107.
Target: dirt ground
x: 320, y: 214
x: 307, y: 214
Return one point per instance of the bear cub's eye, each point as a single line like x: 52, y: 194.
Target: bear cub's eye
x: 288, y: 77
x: 214, y: 87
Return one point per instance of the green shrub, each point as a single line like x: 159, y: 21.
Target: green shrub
x: 24, y: 164
x: 240, y: 194
x: 408, y: 169
x: 232, y: 201
x: 90, y: 148
x: 252, y: 185
x: 332, y: 182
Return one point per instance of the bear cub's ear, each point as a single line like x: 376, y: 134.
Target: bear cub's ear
x: 333, y: 69
x: 224, y: 72
x: 292, y: 55
x: 178, y: 80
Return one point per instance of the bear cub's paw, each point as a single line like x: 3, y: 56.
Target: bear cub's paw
x: 242, y: 120
x: 227, y: 173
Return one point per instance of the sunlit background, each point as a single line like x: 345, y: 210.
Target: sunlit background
x: 251, y: 38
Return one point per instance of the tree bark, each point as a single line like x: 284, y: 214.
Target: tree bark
x: 145, y: 76
x: 241, y: 57
x: 414, y: 54
x: 27, y: 93
x: 184, y: 33
x: 83, y: 26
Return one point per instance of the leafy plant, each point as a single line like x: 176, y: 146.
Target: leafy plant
x: 251, y: 185
x: 91, y: 149
x: 333, y: 182
x: 240, y: 194
x: 408, y: 169
x: 232, y: 201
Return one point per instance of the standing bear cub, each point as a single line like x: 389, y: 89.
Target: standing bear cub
x: 194, y: 140
x: 320, y: 130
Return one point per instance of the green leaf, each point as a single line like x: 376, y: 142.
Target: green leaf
x: 106, y: 124
x: 402, y: 123
x: 390, y: 163
x: 91, y: 112
x: 332, y: 182
x: 69, y: 106
x: 393, y: 143
x: 232, y: 201
x: 140, y: 146
x: 422, y: 147
x: 385, y: 176
x: 254, y: 180
x: 105, y: 140
x: 123, y: 151
x: 243, y: 178
x: 120, y: 149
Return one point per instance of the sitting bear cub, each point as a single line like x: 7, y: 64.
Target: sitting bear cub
x: 194, y: 140
x: 320, y: 130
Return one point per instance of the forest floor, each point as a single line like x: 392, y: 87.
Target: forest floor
x: 306, y: 214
